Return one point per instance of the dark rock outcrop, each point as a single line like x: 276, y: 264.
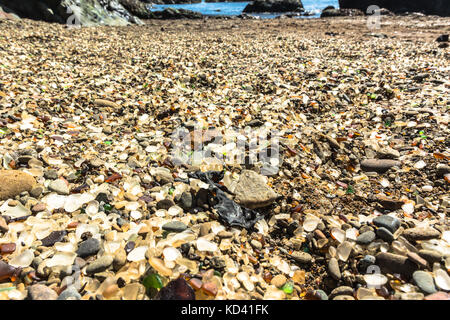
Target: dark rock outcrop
x: 72, y: 12
x: 173, y: 1
x: 434, y: 7
x: 274, y: 6
x: 137, y: 8
x: 331, y: 11
x: 171, y: 13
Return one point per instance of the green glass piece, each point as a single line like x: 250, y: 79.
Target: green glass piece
x: 288, y: 288
x: 350, y: 190
x: 152, y: 281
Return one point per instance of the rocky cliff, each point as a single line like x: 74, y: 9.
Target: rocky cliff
x: 434, y: 7
x: 75, y: 12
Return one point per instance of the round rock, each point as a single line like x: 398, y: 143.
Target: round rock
x: 14, y: 182
x: 41, y: 292
x: 174, y: 226
x: 378, y: 165
x: 69, y: 294
x: 424, y: 281
x: 388, y: 222
x: 302, y: 257
x: 366, y: 238
x: 99, y: 265
x: 385, y: 234
x: 333, y: 268
x: 88, y: 248
x: 418, y: 234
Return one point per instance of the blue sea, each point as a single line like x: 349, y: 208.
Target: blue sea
x: 235, y: 8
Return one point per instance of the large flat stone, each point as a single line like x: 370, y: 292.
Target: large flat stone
x: 252, y: 190
x: 394, y: 263
x: 14, y: 182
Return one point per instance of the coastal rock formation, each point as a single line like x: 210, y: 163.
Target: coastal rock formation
x: 71, y: 12
x: 172, y: 1
x: 6, y: 15
x: 435, y: 7
x: 331, y: 11
x: 171, y: 13
x: 274, y: 6
x: 185, y: 1
x: 137, y: 8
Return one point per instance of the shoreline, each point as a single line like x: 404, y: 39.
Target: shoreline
x: 87, y: 118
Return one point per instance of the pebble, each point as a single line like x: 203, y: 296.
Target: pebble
x: 424, y: 281
x: 165, y: 204
x: 366, y: 262
x: 388, y: 222
x: 302, y: 257
x: 419, y: 233
x: 52, y: 238
x: 366, y: 238
x: 162, y: 175
x: 120, y: 259
x: 225, y: 234
x: 430, y: 255
x: 442, y: 279
x: 333, y: 268
x: 186, y: 200
x: 388, y: 153
x: 41, y: 292
x: 343, y: 297
x: 389, y: 203
x: 59, y: 186
x: 99, y: 265
x: 412, y: 296
x: 278, y: 281
x: 210, y: 288
x: 252, y: 190
x: 88, y: 247
x: 321, y: 294
x: 218, y: 263
x: 6, y: 248
x: 70, y: 294
x: 414, y: 257
x: 385, y: 234
x: 378, y: 165
x: 36, y: 191
x: 51, y: 174
x: 174, y: 226
x: 38, y: 207
x: 394, y: 263
x: 205, y: 228
x: 438, y: 296
x: 342, y: 290
x: 256, y: 244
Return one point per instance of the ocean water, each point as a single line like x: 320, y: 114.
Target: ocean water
x: 235, y: 8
